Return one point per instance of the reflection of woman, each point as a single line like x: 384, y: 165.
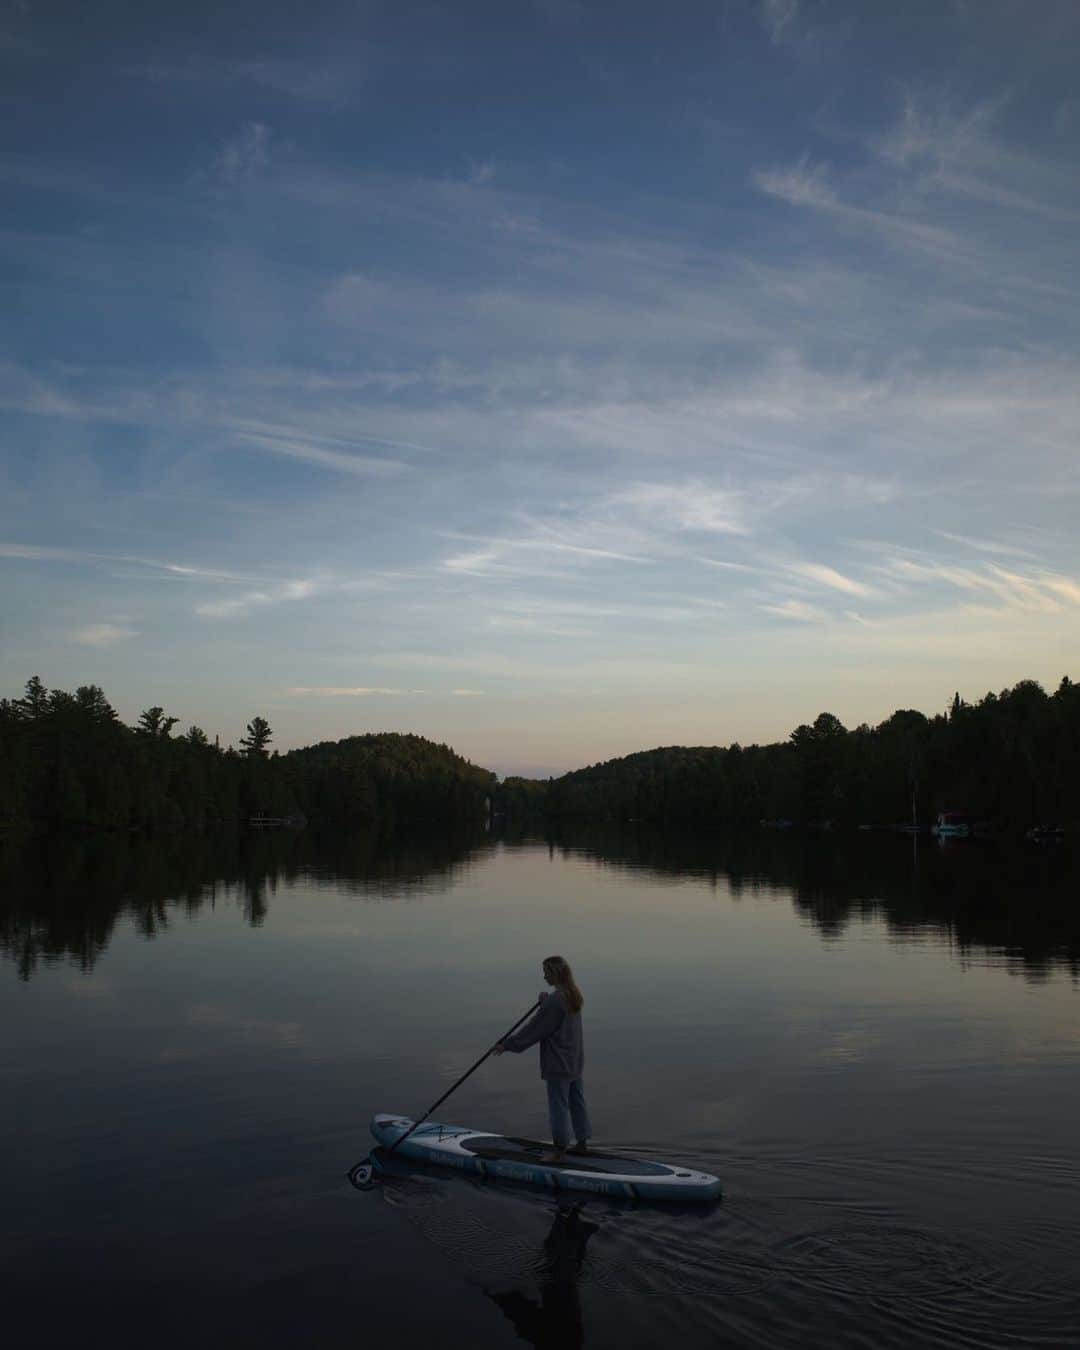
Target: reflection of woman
x: 557, y: 1027
x: 555, y: 1322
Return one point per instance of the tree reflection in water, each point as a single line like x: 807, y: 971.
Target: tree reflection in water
x: 61, y: 898
x: 1003, y: 896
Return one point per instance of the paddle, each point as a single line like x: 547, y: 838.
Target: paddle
x: 362, y: 1174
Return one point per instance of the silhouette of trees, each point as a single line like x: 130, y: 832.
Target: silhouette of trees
x: 67, y: 761
x: 153, y: 722
x: 1012, y: 760
x: 258, y: 737
x: 34, y: 704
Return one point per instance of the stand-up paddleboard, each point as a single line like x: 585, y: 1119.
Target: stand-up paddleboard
x: 494, y: 1155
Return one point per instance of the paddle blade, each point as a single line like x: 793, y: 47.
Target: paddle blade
x: 362, y: 1176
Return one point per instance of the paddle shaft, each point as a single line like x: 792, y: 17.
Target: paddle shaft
x: 461, y: 1080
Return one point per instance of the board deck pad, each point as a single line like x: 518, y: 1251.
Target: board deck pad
x: 510, y: 1158
x: 531, y: 1150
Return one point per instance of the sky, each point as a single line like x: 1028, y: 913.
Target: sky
x: 552, y: 379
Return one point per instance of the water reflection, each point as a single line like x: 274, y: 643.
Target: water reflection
x: 553, y: 1321
x: 897, y: 1142
x: 981, y: 895
x: 62, y: 899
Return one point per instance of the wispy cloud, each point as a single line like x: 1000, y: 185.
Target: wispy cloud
x: 176, y: 571
x: 377, y: 690
x: 829, y: 577
x: 801, y: 184
x: 544, y: 547
x: 102, y: 634
x: 1065, y: 587
x: 309, y: 83
x: 351, y: 691
x: 316, y: 83
x: 476, y: 562
x: 236, y: 605
x: 42, y: 553
x: 582, y: 618
x: 311, y: 453
x: 1037, y: 590
x: 730, y: 566
x: 778, y: 16
x: 690, y: 506
x: 244, y: 155
x: 322, y: 387
x: 798, y: 610
x: 958, y: 152
x: 482, y: 171
x: 806, y: 185
x: 987, y: 545
x: 515, y: 414
x: 504, y: 556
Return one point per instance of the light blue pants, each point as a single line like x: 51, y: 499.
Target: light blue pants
x: 566, y: 1106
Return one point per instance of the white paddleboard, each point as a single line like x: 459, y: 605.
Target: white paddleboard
x: 512, y: 1159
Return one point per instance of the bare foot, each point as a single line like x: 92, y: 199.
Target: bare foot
x: 555, y: 1156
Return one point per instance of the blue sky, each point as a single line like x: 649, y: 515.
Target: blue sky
x: 552, y: 379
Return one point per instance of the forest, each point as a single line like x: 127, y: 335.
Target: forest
x: 1010, y: 761
x: 68, y: 762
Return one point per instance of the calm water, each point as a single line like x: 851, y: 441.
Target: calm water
x: 874, y: 1042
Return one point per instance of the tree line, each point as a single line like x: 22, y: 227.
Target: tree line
x: 1011, y: 760
x: 68, y: 761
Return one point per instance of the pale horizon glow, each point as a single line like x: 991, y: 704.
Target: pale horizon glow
x: 548, y: 386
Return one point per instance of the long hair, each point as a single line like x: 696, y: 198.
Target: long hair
x: 563, y: 977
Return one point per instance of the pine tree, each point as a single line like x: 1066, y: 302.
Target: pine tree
x: 258, y: 737
x: 153, y: 722
x: 34, y: 705
x: 90, y: 699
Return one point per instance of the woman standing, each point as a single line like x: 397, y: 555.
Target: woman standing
x: 556, y: 1025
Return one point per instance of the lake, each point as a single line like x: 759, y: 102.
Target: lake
x: 874, y: 1041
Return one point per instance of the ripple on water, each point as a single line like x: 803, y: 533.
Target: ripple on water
x: 477, y: 1241
x: 708, y: 1275
x: 659, y: 1254
x: 410, y: 1193
x: 876, y: 1259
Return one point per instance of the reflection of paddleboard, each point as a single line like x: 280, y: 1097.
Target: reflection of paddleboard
x: 494, y: 1155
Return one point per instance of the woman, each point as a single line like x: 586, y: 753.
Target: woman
x: 557, y: 1027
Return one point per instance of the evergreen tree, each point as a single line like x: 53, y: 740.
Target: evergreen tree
x: 1012, y: 759
x: 91, y: 701
x: 257, y: 739
x: 153, y: 722
x: 34, y: 705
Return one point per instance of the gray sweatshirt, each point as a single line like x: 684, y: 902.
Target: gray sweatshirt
x: 562, y: 1047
